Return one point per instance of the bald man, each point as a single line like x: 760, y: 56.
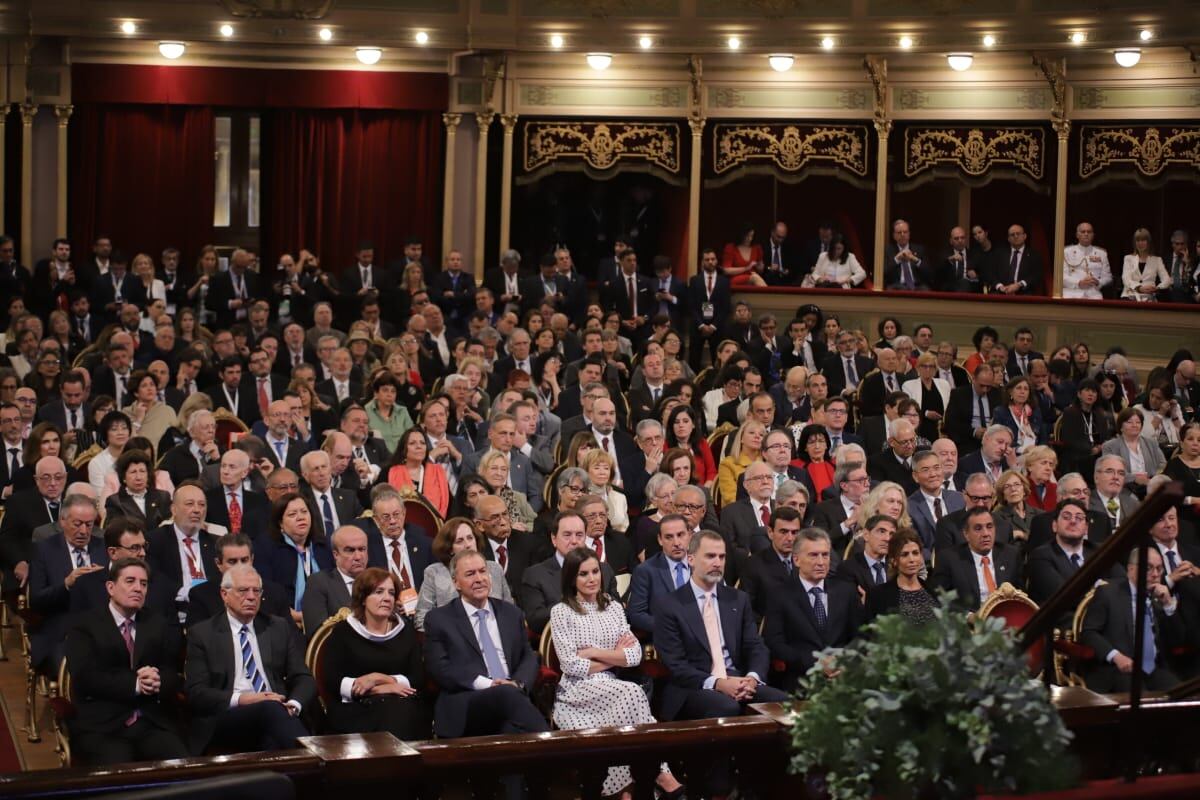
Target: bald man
x: 232, y: 505
x: 53, y: 528
x: 895, y: 462
x: 26, y: 510
x: 182, y: 551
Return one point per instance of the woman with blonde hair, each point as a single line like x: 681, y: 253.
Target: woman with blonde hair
x: 198, y: 292
x: 143, y: 269
x: 493, y: 468
x: 746, y: 448
x: 477, y: 397
x: 1143, y: 272
x: 1012, y: 492
x: 886, y: 498
x: 600, y: 467
x: 1038, y: 465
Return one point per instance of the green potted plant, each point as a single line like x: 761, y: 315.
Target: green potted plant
x: 946, y: 710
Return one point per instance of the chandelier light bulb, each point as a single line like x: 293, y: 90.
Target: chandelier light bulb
x: 828, y: 43
x: 1128, y: 57
x: 645, y: 42
x: 734, y: 42
x: 906, y: 42
x: 599, y: 61
x: 1078, y: 37
x: 171, y: 50
x: 780, y: 62
x: 960, y: 62
x: 227, y: 30
x: 326, y: 34
x: 989, y: 41
x: 556, y: 42
x: 1146, y: 35
x: 128, y: 27
x: 369, y: 55
x: 422, y: 37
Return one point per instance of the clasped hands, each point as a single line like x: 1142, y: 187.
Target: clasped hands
x: 376, y: 683
x: 148, y: 680
x: 739, y: 689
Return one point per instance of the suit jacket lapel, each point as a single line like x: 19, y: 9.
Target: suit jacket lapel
x: 223, y: 648
x: 467, y: 629
x: 691, y: 613
x: 727, y: 604
x: 262, y: 633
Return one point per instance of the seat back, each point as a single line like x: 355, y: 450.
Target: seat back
x: 1016, y: 608
x: 228, y: 424
x: 420, y: 512
x: 546, y: 650
x: 313, y: 656
x: 83, y: 459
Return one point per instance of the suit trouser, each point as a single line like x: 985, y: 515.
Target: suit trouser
x: 258, y: 726
x: 716, y: 773
x: 144, y: 740
x: 501, y: 710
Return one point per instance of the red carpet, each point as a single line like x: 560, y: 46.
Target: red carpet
x: 10, y: 761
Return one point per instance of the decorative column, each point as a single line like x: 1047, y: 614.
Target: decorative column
x: 1063, y: 128
x: 28, y: 112
x: 509, y: 121
x: 484, y: 120
x: 693, y: 249
x: 451, y: 122
x: 3, y: 118
x: 883, y: 128
x: 63, y: 113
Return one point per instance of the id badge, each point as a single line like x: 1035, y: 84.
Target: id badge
x: 706, y: 310
x: 408, y: 599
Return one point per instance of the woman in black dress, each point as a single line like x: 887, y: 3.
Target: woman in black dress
x: 373, y: 673
x: 904, y: 593
x: 1083, y: 428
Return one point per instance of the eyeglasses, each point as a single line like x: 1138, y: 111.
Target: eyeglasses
x: 595, y: 515
x: 573, y: 488
x: 1073, y: 517
x: 688, y: 508
x: 395, y: 516
x: 863, y: 479
x: 979, y: 498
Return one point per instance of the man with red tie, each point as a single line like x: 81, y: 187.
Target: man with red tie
x: 630, y: 295
x: 513, y: 551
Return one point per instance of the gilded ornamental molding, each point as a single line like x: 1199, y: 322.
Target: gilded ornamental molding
x: 975, y: 150
x: 602, y: 144
x: 1150, y: 149
x: 790, y: 147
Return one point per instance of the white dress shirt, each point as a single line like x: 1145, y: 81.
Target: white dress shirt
x: 493, y: 630
x: 982, y: 581
x: 185, y: 564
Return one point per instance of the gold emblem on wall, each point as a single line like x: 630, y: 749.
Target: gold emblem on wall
x: 602, y: 144
x: 1150, y: 149
x: 975, y: 150
x: 790, y: 147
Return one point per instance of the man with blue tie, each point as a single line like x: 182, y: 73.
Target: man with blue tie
x: 246, y: 679
x: 931, y: 501
x: 454, y: 292
x: 661, y: 574
x: 868, y: 567
x: 283, y: 449
x: 770, y: 569
x: 1110, y: 623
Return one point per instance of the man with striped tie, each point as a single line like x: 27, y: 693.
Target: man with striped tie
x: 246, y: 679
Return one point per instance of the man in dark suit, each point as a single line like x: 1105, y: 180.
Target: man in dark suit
x: 204, y: 599
x: 112, y: 377
x: 836, y: 516
x: 231, y: 293
x: 809, y: 613
x: 328, y: 591
x: 12, y: 445
x: 1110, y: 497
x: 265, y: 386
x: 183, y: 461
x: 478, y: 653
x: 367, y: 277
x: 67, y: 411
x: 813, y: 248
x: 631, y: 461
x: 111, y: 292
x: 26, y: 510
x: 1110, y: 624
x: 895, y: 462
x: 867, y: 567
x: 54, y: 280
x: 880, y: 383
x: 614, y: 549
x: 541, y: 586
x: 660, y: 574
x: 970, y: 410
x: 246, y: 696
x: 404, y: 550
x: 182, y: 553
x: 573, y: 285
x: 230, y: 505
x: 931, y: 502
x: 234, y: 394
x: 708, y: 307
x: 975, y: 569
x: 331, y: 507
x: 777, y: 454
x: 454, y: 292
x: 632, y: 296
x: 55, y: 569
x: 1020, y: 269
x: 1052, y: 564
x: 668, y: 292
x: 1022, y: 355
x: 546, y: 287
x: 1071, y: 486
x: 978, y: 492
x: 769, y: 569
x: 845, y: 369
x: 781, y: 258
x: 745, y: 523
x: 124, y: 662
x: 283, y: 448
x: 514, y: 551
x: 905, y: 265
x: 522, y: 477
x: 504, y: 282
x: 958, y: 271
x: 342, y: 385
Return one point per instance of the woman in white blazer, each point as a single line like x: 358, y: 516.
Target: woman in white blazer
x: 926, y: 381
x: 836, y: 268
x: 1143, y: 273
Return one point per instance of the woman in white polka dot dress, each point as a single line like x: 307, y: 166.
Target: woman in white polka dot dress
x: 592, y: 639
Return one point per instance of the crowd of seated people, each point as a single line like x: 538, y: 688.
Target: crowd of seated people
x: 579, y: 472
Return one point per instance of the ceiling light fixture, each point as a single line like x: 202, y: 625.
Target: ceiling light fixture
x: 1128, y: 57
x: 781, y: 62
x: 368, y: 55
x: 733, y: 42
x: 325, y: 34
x: 227, y: 30
x: 422, y: 37
x: 828, y: 42
x: 1146, y: 35
x: 1078, y: 37
x: 129, y: 27
x: 599, y: 61
x: 989, y: 41
x: 906, y: 42
x: 645, y: 42
x: 171, y: 50
x: 960, y: 62
x: 556, y: 41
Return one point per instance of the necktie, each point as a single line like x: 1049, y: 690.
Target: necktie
x: 14, y: 456
x: 366, y: 277
x: 1172, y: 561
x: 851, y: 373
x: 502, y: 556
x: 327, y: 514
x: 79, y: 558
x: 632, y: 297
x: 127, y: 635
x: 680, y: 576
x: 937, y: 508
x: 710, y: 284
x: 906, y: 280
x: 1177, y: 272
x: 1150, y: 650
x: 193, y: 567
x: 961, y: 269
x: 1016, y: 264
x: 604, y: 443
x: 837, y: 441
x: 1076, y: 560
x: 1024, y: 362
x: 263, y: 400
x: 235, y: 514
x: 53, y: 510
x: 654, y: 396
x: 765, y: 513
x: 880, y: 575
x: 988, y: 579
x: 818, y: 605
x: 249, y: 664
x: 74, y: 418
x: 599, y: 548
x: 980, y: 411
x: 296, y: 358
x: 1114, y: 509
x: 398, y: 565
x: 491, y: 657
x: 712, y: 627
x: 279, y: 451
x: 891, y: 383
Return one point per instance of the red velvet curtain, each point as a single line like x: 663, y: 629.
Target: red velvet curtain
x: 143, y: 175
x: 336, y: 177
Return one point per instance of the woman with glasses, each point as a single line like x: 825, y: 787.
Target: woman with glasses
x: 1012, y: 493
x: 46, y: 376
